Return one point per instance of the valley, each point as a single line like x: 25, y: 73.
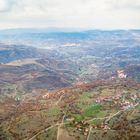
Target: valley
x: 70, y: 85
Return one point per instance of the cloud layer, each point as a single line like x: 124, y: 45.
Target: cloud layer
x: 6, y: 5
x: 105, y: 14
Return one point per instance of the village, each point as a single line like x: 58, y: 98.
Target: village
x: 81, y: 110
x: 118, y: 99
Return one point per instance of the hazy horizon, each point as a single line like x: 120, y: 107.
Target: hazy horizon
x: 66, y: 29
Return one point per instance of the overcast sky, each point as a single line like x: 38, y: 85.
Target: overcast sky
x: 95, y: 14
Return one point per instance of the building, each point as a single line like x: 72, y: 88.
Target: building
x: 121, y: 74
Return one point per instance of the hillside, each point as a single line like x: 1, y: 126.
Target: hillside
x: 100, y: 110
x: 80, y: 85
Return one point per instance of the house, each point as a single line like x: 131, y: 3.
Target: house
x: 86, y: 130
x: 47, y: 95
x: 121, y: 74
x: 106, y: 127
x: 67, y: 118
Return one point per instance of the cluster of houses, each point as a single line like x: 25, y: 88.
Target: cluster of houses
x: 48, y: 95
x: 108, y: 98
x: 104, y: 126
x: 82, y: 127
x: 121, y: 74
x: 125, y: 104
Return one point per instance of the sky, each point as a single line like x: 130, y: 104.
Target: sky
x: 95, y: 14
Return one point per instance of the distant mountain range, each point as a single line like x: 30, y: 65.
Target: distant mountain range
x: 80, y: 56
